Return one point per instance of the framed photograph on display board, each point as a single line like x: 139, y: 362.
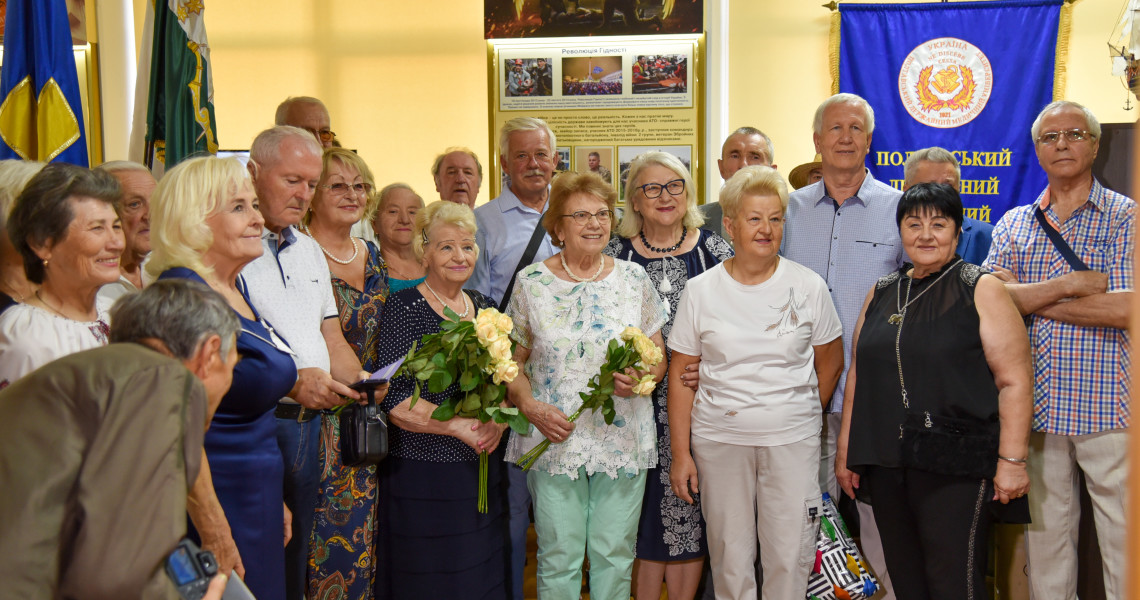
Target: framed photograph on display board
x: 609, y: 96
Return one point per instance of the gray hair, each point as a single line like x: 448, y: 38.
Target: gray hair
x: 283, y: 108
x: 114, y: 166
x: 1090, y: 119
x: 386, y: 193
x: 266, y: 148
x: 180, y: 313
x: 452, y: 150
x: 748, y: 132
x: 932, y: 154
x: 524, y: 124
x: 844, y: 98
x: 14, y: 175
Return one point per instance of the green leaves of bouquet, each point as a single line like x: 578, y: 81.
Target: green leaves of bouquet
x: 476, y: 355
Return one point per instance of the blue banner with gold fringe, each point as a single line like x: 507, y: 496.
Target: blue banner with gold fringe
x: 967, y: 76
x: 41, y: 117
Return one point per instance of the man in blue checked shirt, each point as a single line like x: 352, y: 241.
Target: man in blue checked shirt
x: 1078, y: 322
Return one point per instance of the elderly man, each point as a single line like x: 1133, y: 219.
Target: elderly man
x: 843, y: 227
x: 1067, y: 261
x: 938, y: 165
x: 138, y: 185
x: 308, y: 113
x: 458, y: 175
x: 594, y: 161
x: 745, y: 147
x: 510, y: 237
x: 290, y: 286
x: 98, y: 449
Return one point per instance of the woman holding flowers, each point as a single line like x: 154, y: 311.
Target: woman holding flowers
x: 434, y: 542
x: 660, y: 231
x: 767, y: 337
x: 588, y: 488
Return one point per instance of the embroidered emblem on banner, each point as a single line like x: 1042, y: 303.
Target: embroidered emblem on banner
x: 945, y: 82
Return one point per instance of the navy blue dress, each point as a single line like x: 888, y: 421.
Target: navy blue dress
x: 241, y: 445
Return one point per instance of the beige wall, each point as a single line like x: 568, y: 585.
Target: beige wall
x: 405, y: 79
x: 402, y: 80
x: 779, y: 64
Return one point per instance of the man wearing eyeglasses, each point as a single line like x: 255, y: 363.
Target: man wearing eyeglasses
x: 508, y: 225
x: 308, y: 113
x: 843, y: 228
x: 1078, y: 323
x: 290, y: 286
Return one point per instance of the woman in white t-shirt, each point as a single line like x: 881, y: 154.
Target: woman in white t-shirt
x: 767, y: 338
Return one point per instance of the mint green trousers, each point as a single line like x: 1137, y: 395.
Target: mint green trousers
x: 593, y: 516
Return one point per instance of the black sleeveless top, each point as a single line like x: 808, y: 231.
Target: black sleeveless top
x: 943, y: 364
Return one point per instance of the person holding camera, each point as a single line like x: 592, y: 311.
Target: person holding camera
x: 99, y: 449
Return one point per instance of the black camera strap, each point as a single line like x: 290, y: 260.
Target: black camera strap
x: 527, y: 258
x: 1059, y: 242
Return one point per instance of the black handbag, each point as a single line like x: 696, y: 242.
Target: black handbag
x: 950, y: 445
x: 363, y: 430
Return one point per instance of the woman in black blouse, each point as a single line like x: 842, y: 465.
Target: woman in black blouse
x: 433, y: 543
x: 936, y: 422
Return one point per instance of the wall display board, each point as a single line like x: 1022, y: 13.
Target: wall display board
x: 607, y: 99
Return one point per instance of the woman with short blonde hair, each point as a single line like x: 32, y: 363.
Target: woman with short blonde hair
x: 766, y: 336
x: 432, y: 466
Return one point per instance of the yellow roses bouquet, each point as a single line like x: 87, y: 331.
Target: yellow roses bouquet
x: 477, y: 356
x: 634, y: 350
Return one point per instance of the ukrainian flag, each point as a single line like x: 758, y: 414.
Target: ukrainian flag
x: 41, y: 117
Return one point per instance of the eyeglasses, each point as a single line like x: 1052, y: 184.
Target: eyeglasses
x: 653, y: 190
x: 1072, y: 136
x: 323, y: 135
x: 582, y: 217
x: 342, y: 189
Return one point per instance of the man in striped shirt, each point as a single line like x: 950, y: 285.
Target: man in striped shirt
x: 1078, y: 322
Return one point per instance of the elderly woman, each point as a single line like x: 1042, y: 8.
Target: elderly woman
x: 587, y: 488
x: 937, y: 406
x: 346, y: 505
x: 660, y: 231
x: 65, y: 228
x: 434, y: 544
x: 14, y: 284
x: 767, y: 337
x: 206, y: 228
x: 134, y: 210
x: 393, y: 226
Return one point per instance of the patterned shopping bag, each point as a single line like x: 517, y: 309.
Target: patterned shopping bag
x: 840, y: 572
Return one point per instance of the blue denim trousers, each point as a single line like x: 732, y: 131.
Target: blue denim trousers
x: 300, y: 447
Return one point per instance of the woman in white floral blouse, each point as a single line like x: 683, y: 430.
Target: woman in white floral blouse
x: 588, y: 487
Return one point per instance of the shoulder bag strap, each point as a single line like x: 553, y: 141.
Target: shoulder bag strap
x: 527, y: 258
x: 1059, y: 242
